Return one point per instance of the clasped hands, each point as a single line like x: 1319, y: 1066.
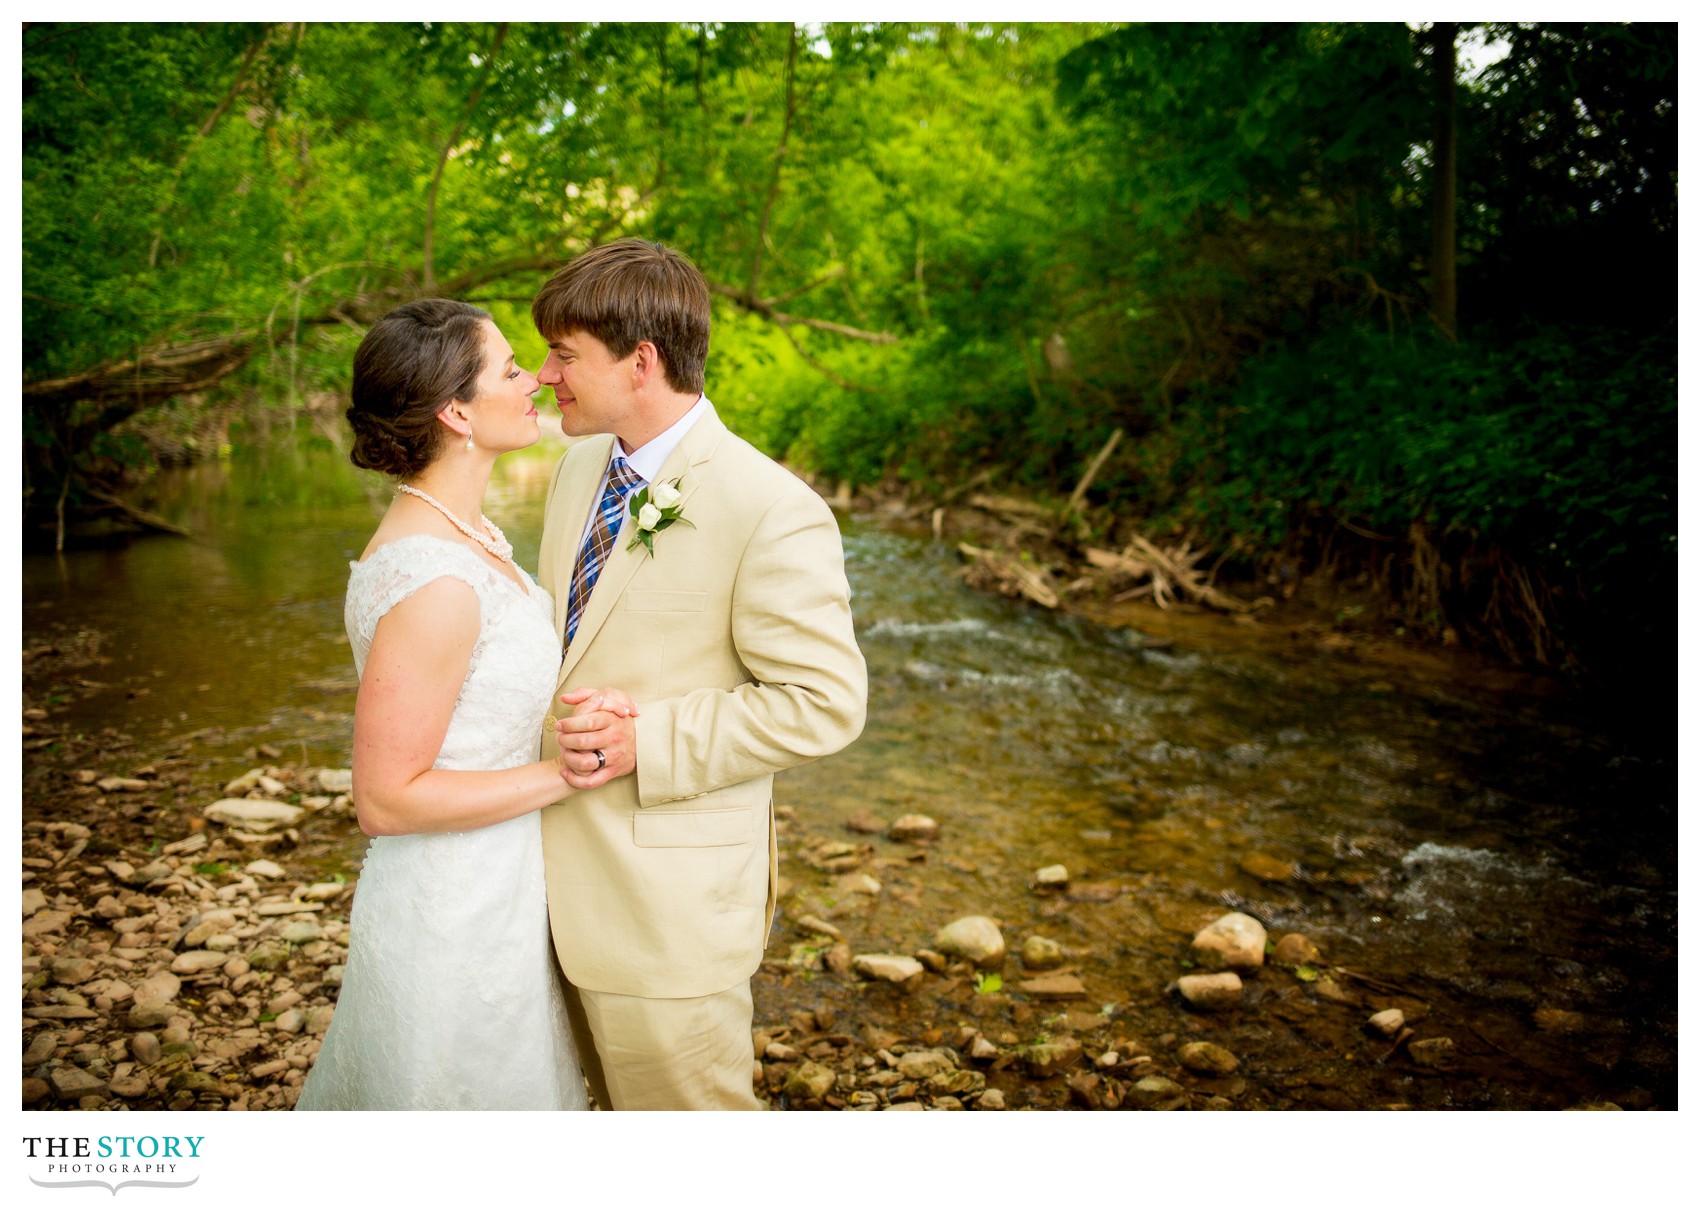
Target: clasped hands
x: 601, y: 722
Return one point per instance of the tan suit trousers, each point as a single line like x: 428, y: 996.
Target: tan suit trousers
x: 666, y: 1054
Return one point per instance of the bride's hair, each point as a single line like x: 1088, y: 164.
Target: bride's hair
x: 411, y: 363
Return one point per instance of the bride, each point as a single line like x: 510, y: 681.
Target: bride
x: 450, y: 998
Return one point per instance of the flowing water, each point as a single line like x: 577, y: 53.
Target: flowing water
x: 1490, y: 862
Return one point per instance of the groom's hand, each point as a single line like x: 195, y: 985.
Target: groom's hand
x: 601, y: 721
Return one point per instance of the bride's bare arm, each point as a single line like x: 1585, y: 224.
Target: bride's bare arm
x: 414, y: 670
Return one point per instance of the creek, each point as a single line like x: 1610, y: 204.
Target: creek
x: 1501, y: 866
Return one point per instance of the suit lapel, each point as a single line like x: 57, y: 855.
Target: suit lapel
x: 577, y: 500
x: 687, y: 463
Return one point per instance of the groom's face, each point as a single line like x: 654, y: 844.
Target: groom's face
x: 593, y: 389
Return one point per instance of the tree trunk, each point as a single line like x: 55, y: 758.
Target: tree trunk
x: 1443, y: 256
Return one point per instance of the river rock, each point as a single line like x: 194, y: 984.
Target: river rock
x: 145, y: 1047
x: 809, y: 1082
x: 1058, y: 987
x: 1053, y: 1056
x: 1160, y: 1092
x: 913, y: 827
x: 128, y: 1087
x: 1051, y: 879
x: 71, y: 1083
x: 1214, y: 991
x: 119, y: 783
x: 991, y: 1100
x: 1212, y: 1060
x: 1234, y: 941
x: 157, y: 988
x: 1039, y: 952
x: 289, y: 1022
x: 319, y: 1019
x: 1296, y: 949
x: 34, y: 900
x: 265, y: 869
x: 1435, y: 1053
x: 894, y: 968
x: 336, y: 782
x: 73, y: 970
x: 923, y: 1063
x: 271, y: 953
x: 1387, y: 1023
x: 257, y: 815
x: 1559, y: 1022
x: 983, y: 1049
x: 300, y: 932
x: 192, y: 962
x: 976, y: 939
x: 145, y: 1015
x: 836, y: 959
x: 204, y: 925
x: 40, y: 1050
x: 1269, y: 870
x: 932, y: 961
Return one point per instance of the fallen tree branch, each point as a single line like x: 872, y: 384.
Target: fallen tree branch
x: 1007, y: 574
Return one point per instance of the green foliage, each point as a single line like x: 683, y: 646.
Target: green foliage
x: 987, y: 982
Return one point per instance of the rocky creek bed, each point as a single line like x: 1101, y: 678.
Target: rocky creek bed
x: 183, y: 944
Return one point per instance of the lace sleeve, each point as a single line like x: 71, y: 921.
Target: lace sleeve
x: 399, y: 569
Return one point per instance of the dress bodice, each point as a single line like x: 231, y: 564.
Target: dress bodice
x: 499, y: 713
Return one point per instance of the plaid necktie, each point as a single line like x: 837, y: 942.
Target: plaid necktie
x: 593, y: 556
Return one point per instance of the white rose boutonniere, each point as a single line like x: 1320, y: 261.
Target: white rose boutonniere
x: 655, y: 509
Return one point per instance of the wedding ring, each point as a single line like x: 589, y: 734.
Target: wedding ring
x: 601, y: 759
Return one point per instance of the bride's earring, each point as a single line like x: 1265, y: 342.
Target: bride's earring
x: 469, y: 435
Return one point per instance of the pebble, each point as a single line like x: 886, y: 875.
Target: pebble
x: 913, y: 827
x: 260, y: 815
x: 1053, y: 878
x: 128, y: 1087
x: 192, y: 962
x: 991, y: 1100
x: 925, y: 1063
x: 157, y: 988
x: 1038, y: 952
x: 1060, y: 987
x: 336, y: 782
x: 1295, y: 949
x: 1215, y: 991
x: 1559, y: 1022
x: 265, y: 869
x: 40, y: 1049
x: 1234, y: 941
x: 809, y: 1082
x: 1269, y: 870
x: 73, y: 970
x: 34, y: 901
x: 894, y: 968
x: 1435, y: 1053
x: 35, y: 1091
x: 1387, y: 1023
x: 70, y: 1083
x: 300, y: 932
x: 1212, y: 1060
x: 144, y: 1046
x: 1052, y: 1056
x: 148, y: 1014
x: 863, y: 821
x: 975, y: 938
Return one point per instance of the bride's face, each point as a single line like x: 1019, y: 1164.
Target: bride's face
x: 502, y: 413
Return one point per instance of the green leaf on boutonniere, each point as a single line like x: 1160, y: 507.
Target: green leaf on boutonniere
x: 650, y: 516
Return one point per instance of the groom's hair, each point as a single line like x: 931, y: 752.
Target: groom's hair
x: 629, y: 291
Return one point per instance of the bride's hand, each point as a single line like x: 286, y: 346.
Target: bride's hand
x: 608, y: 698
x: 598, y: 741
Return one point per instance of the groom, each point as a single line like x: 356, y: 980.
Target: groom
x: 729, y: 627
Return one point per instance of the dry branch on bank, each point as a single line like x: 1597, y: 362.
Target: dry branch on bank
x: 1006, y: 574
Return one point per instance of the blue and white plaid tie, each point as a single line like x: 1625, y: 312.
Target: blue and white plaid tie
x: 593, y: 556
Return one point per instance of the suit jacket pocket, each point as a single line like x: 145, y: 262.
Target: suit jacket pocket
x: 666, y: 599
x: 711, y: 827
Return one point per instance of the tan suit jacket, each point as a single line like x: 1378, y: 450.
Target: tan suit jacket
x: 735, y: 640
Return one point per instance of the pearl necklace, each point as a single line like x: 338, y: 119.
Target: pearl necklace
x: 496, y: 543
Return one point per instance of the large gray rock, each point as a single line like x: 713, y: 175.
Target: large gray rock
x: 976, y: 939
x: 1234, y: 941
x: 71, y: 1083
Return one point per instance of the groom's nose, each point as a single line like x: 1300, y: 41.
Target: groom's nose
x: 547, y: 373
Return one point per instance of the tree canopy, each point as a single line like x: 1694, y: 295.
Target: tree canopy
x: 941, y: 248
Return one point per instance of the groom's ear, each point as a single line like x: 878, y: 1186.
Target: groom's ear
x: 646, y: 363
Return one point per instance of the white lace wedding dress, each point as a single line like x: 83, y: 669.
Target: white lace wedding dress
x: 450, y: 998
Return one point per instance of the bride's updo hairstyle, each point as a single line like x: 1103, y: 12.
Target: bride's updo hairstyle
x: 411, y: 363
